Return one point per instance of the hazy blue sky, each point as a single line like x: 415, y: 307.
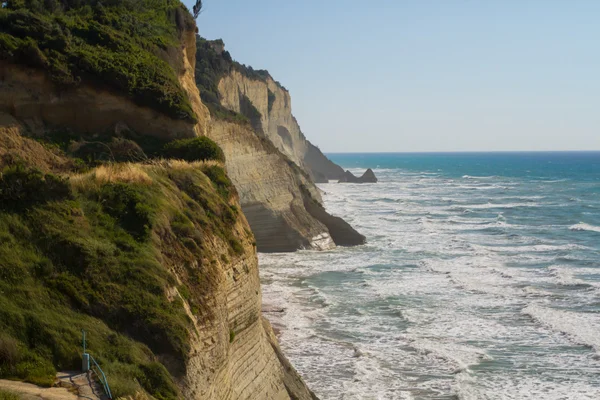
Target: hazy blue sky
x: 426, y: 75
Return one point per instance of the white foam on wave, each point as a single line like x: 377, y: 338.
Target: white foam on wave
x: 486, y: 206
x: 478, y: 177
x: 567, y: 275
x: 582, y: 328
x: 582, y: 226
x: 534, y: 387
x: 537, y: 248
x: 479, y: 187
x: 439, y: 294
x: 461, y: 356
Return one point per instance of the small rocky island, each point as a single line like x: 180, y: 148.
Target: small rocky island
x: 367, y: 177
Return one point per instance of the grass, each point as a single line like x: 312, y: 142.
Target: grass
x: 4, y: 395
x: 122, y: 45
x: 99, y: 256
x: 125, y: 151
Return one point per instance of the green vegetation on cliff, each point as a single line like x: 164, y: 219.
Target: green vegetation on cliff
x: 101, y: 251
x: 194, y: 149
x: 211, y: 66
x: 4, y: 395
x: 120, y: 44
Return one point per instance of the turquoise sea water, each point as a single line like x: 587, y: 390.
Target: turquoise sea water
x: 480, y: 280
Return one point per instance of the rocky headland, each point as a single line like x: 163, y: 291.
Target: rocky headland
x: 272, y: 164
x: 141, y: 170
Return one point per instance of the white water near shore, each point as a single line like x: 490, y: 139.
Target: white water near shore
x: 470, y: 288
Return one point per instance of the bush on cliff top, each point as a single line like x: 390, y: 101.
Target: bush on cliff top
x: 111, y: 43
x: 21, y: 187
x: 194, y: 149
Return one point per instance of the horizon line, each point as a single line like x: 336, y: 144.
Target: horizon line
x: 461, y: 151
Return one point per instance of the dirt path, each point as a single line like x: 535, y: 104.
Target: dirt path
x: 70, y: 386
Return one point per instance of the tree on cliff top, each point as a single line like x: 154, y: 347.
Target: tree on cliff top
x: 197, y: 8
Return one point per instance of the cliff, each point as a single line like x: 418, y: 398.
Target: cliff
x: 276, y: 122
x: 151, y: 256
x: 269, y: 171
x: 269, y: 188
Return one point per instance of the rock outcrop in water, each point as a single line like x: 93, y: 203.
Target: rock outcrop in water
x: 367, y: 177
x: 152, y: 257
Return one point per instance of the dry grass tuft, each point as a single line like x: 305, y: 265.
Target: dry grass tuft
x: 184, y: 165
x: 113, y: 173
x: 134, y: 173
x: 126, y: 173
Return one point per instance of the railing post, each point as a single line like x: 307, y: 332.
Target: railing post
x: 85, y: 358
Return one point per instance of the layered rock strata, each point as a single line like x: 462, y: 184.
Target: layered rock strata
x: 270, y: 191
x: 233, y: 354
x: 277, y: 122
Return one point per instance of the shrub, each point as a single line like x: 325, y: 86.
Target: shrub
x: 236, y: 246
x: 22, y: 187
x: 271, y: 99
x: 194, y: 149
x: 231, y: 336
x: 9, y: 353
x: 220, y: 179
x: 109, y: 43
x: 156, y: 380
x: 128, y: 206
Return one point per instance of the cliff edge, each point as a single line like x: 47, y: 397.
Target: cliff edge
x: 103, y: 229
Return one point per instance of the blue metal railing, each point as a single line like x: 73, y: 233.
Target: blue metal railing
x: 102, y: 378
x: 99, y: 373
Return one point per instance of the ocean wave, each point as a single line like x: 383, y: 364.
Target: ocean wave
x: 567, y: 276
x: 536, y: 248
x: 486, y: 206
x: 553, y: 181
x: 478, y: 177
x: 581, y: 328
x: 582, y: 226
x: 487, y: 187
x: 463, y: 357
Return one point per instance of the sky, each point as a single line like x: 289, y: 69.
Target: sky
x: 426, y: 75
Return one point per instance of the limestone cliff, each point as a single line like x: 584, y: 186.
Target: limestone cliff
x: 274, y: 104
x: 274, y: 184
x: 154, y: 259
x: 30, y: 96
x: 269, y: 188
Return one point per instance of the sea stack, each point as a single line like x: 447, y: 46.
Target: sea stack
x: 367, y: 177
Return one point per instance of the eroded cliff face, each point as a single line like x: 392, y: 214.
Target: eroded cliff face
x: 270, y: 161
x: 31, y: 97
x: 233, y: 354
x: 270, y: 191
x: 277, y: 122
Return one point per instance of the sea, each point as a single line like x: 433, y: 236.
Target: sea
x: 480, y: 280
